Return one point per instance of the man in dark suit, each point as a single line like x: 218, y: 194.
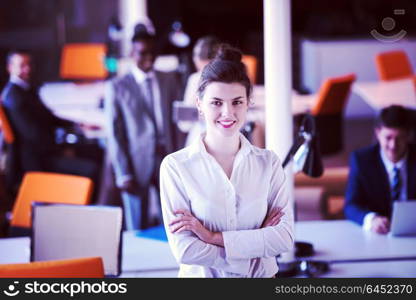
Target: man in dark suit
x: 141, y: 129
x: 382, y: 173
x: 35, y: 125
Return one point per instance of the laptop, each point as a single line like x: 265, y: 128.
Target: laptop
x: 64, y: 231
x: 403, y: 220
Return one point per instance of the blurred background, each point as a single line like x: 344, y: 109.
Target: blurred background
x: 45, y: 26
x: 329, y: 39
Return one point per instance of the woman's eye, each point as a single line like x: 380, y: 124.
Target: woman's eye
x: 216, y: 103
x: 238, y: 102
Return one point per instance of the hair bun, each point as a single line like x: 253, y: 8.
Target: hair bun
x: 226, y: 52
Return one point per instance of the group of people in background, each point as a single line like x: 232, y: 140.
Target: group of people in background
x: 224, y: 201
x: 35, y: 127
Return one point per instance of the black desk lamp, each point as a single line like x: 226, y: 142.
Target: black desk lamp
x: 307, y: 158
x: 305, y: 150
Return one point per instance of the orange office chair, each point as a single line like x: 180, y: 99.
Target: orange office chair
x: 393, y: 65
x: 83, y: 61
x: 328, y: 112
x: 251, y: 64
x: 5, y: 126
x: 89, y: 267
x: 333, y: 95
x: 50, y: 188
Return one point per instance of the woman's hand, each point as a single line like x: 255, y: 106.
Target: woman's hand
x: 188, y: 222
x: 273, y: 217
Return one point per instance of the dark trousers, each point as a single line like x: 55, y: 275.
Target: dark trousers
x: 136, y: 206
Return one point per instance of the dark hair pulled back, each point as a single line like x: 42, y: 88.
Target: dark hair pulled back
x: 226, y: 67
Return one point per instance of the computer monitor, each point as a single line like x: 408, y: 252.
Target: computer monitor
x: 403, y: 221
x: 64, y: 231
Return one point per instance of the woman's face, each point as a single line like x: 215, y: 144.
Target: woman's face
x: 224, y: 107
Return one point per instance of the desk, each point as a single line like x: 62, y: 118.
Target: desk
x: 60, y: 95
x: 79, y: 103
x: 300, y: 103
x: 391, y: 269
x: 339, y: 242
x: 323, y: 58
x: 352, y: 252
x: 344, y: 241
x: 141, y: 256
x: 144, y: 254
x: 380, y: 94
x: 15, y: 250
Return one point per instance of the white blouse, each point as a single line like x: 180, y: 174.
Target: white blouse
x: 192, y: 179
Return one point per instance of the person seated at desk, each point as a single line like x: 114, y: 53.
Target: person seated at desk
x: 382, y: 173
x: 35, y: 126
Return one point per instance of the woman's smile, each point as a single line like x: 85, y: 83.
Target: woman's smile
x: 227, y: 123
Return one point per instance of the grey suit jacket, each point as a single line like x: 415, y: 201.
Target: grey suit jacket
x: 131, y: 131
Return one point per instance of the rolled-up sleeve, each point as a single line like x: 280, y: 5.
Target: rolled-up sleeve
x: 187, y: 248
x: 269, y: 241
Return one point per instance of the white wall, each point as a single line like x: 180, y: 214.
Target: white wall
x: 322, y: 59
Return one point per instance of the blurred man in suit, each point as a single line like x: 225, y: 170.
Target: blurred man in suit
x: 382, y: 173
x: 35, y: 125
x: 141, y: 129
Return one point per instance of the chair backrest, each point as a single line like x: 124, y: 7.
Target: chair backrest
x: 5, y: 126
x: 62, y: 231
x: 88, y: 267
x: 83, y: 61
x: 333, y: 95
x: 251, y: 64
x: 393, y: 65
x: 50, y: 188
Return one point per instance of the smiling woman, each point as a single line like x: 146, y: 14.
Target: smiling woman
x: 224, y: 106
x: 224, y: 201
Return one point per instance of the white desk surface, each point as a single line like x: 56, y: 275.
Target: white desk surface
x: 77, y: 102
x: 14, y: 250
x: 342, y: 240
x: 405, y: 268
x: 333, y: 241
x: 380, y: 94
x: 69, y: 94
x: 143, y: 254
x: 140, y: 255
x: 80, y: 103
x: 300, y: 103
